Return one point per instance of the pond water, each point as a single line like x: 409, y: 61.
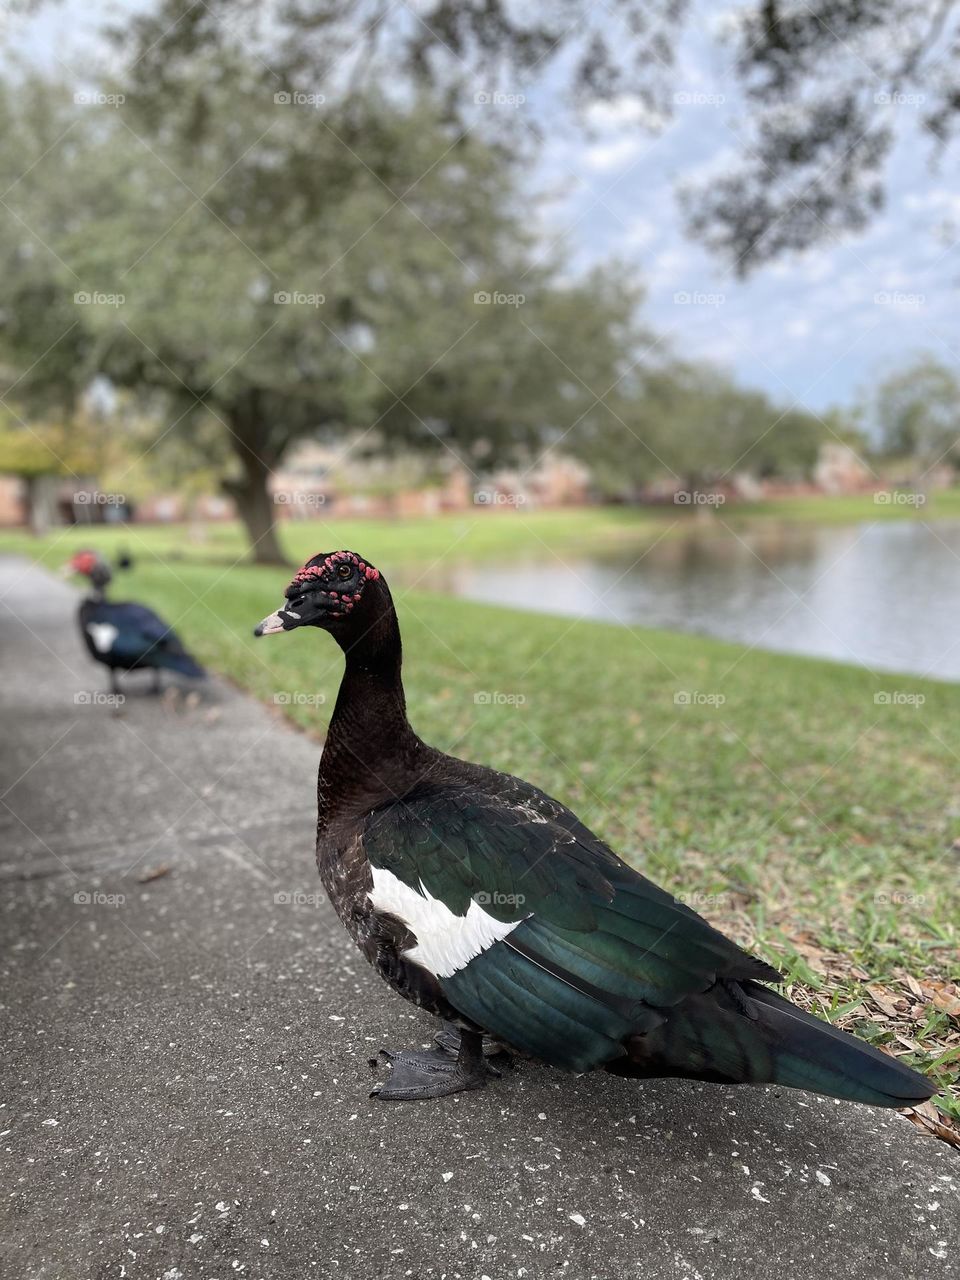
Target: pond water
x: 884, y: 595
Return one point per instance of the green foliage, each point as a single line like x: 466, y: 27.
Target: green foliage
x: 917, y: 411
x: 290, y: 269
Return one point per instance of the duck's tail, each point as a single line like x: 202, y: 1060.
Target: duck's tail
x: 181, y: 662
x: 748, y: 1034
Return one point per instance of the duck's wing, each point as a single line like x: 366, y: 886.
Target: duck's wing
x: 533, y: 927
x: 144, y: 637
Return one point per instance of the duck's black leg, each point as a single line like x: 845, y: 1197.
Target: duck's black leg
x: 432, y: 1073
x: 155, y: 687
x: 448, y: 1039
x: 114, y: 682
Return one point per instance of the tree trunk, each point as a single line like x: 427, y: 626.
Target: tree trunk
x: 257, y: 454
x: 255, y: 507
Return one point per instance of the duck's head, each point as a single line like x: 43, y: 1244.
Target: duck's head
x: 339, y: 591
x: 91, y: 564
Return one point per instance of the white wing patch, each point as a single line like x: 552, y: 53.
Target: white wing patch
x: 103, y: 635
x: 445, y: 942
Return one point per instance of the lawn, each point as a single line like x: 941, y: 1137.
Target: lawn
x: 808, y: 808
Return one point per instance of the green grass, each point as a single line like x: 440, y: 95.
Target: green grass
x: 818, y: 826
x: 940, y: 504
x: 418, y: 542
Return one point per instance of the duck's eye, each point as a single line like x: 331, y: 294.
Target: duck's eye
x: 344, y: 571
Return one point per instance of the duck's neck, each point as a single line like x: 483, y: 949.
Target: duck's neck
x: 371, y: 753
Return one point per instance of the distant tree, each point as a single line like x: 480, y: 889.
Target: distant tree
x: 295, y: 269
x: 917, y: 413
x: 693, y: 424
x: 827, y: 86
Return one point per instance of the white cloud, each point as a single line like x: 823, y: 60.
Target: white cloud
x: 640, y: 233
x: 604, y: 156
x: 623, y: 110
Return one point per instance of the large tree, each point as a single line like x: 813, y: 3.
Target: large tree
x: 293, y: 267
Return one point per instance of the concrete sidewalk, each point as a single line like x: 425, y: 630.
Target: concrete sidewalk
x: 187, y: 1060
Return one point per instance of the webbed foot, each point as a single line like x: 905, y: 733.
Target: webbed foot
x: 434, y: 1073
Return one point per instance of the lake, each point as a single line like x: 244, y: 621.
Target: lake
x: 883, y: 595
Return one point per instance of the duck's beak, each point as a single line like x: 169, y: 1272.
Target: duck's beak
x: 282, y: 620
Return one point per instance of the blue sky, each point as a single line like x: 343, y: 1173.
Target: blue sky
x: 815, y: 329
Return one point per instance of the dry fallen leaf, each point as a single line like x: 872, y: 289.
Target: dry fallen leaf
x: 884, y: 1000
x: 947, y: 1002
x: 154, y: 873
x: 930, y: 1120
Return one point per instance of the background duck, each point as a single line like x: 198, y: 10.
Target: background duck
x: 489, y: 904
x: 124, y: 635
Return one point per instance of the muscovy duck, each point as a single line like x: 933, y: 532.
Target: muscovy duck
x: 489, y: 904
x: 125, y: 636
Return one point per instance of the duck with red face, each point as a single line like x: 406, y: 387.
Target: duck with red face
x: 124, y: 635
x: 489, y: 904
